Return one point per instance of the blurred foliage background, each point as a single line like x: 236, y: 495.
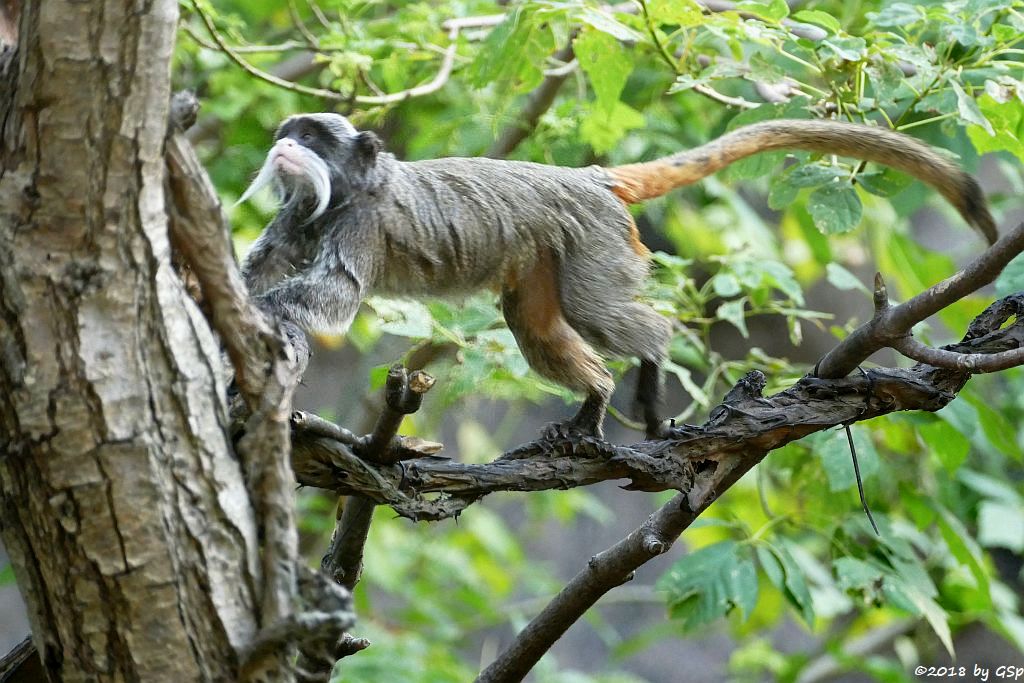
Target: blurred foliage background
x: 759, y: 267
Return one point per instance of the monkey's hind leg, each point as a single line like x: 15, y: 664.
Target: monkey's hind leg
x: 647, y: 400
x: 598, y: 299
x: 554, y: 349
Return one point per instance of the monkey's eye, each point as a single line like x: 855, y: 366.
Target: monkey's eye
x: 306, y: 137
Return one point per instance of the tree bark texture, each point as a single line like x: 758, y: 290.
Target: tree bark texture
x: 122, y: 507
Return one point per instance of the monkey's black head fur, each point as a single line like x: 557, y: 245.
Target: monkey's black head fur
x: 317, y: 161
x: 350, y: 155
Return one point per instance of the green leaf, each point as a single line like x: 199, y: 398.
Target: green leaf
x: 968, y: 109
x: 509, y: 54
x: 685, y: 378
x: 784, y: 573
x: 1001, y: 525
x: 885, y: 183
x: 990, y: 487
x: 843, y: 279
x: 606, y: 23
x: 777, y: 274
x: 946, y: 443
x: 886, y: 80
x: 813, y: 16
x: 684, y: 13
x: 835, y: 208
x: 833, y: 449
x: 498, y: 49
x: 402, y: 317
x: 877, y: 584
x: 785, y: 186
x: 706, y: 584
x: 897, y: 15
x: 966, y: 34
x: 999, y: 431
x: 606, y: 64
x: 732, y: 312
x: 1007, y: 121
x: 936, y: 618
x: 964, y: 549
x: 601, y: 129
x: 773, y: 10
x: 848, y: 48
x: 725, y: 285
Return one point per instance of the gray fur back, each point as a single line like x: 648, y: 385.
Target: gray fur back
x: 455, y: 225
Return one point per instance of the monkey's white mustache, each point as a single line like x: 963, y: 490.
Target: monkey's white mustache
x: 289, y: 164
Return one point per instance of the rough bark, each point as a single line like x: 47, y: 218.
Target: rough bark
x: 124, y: 512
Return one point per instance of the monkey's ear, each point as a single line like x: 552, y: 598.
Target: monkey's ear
x: 368, y: 145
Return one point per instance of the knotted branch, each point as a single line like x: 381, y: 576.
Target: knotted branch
x: 738, y: 433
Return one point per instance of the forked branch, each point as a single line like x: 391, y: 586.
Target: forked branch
x: 891, y: 325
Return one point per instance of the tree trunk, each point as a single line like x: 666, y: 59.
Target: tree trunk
x: 121, y: 505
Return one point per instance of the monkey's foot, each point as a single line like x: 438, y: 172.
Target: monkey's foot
x: 657, y: 429
x: 570, y: 430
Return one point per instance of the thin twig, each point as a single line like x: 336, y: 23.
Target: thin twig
x: 440, y: 79
x: 673, y: 64
x: 860, y: 482
x: 300, y: 25
x: 722, y: 98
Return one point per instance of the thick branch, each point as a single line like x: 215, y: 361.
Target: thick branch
x: 266, y: 371
x: 892, y: 323
x: 604, y: 571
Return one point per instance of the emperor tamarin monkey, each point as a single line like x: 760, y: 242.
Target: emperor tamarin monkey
x: 558, y: 243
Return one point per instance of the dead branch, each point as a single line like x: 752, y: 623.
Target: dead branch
x: 403, y: 395
x: 738, y: 433
x: 323, y: 613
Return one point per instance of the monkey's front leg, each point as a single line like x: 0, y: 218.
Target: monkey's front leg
x: 321, y: 299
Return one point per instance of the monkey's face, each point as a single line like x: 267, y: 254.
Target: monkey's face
x: 317, y: 157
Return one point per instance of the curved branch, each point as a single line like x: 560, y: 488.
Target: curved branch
x: 892, y: 323
x: 974, y: 363
x: 440, y: 79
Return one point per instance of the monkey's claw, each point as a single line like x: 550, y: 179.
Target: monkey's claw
x: 569, y: 430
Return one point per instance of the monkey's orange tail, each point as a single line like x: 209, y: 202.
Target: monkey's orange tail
x: 636, y: 182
